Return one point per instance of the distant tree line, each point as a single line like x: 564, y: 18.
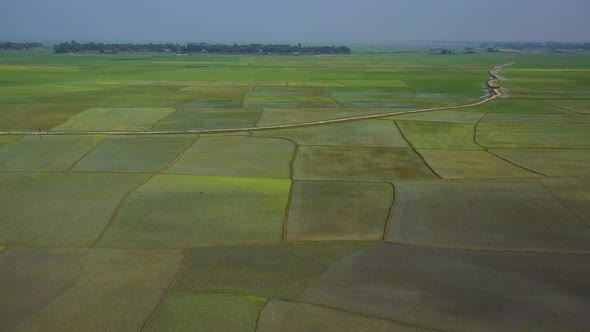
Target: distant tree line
x: 75, y: 47
x: 19, y: 46
x: 547, y: 46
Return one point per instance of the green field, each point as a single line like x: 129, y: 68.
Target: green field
x: 154, y: 192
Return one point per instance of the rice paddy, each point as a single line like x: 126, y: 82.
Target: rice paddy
x: 139, y: 192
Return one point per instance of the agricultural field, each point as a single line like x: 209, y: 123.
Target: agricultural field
x: 362, y: 192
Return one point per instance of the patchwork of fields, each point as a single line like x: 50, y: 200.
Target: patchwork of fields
x: 467, y: 219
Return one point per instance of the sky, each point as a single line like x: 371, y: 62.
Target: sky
x: 306, y: 21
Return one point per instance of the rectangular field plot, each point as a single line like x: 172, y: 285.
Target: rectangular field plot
x: 46, y: 153
x: 37, y: 116
x: 273, y: 270
x: 145, y: 154
x: 534, y: 135
x: 383, y: 95
x: 237, y: 156
x: 82, y: 289
x: 290, y: 102
x: 550, y: 162
x: 450, y: 290
x: 59, y: 208
x: 498, y: 214
x: 537, y: 118
x: 278, y: 116
x: 8, y: 139
x: 288, y: 316
x: 184, y: 210
x: 359, y: 164
x: 328, y: 211
x: 572, y: 192
x: 462, y: 164
x: 578, y: 106
x: 440, y: 116
x: 389, y: 83
x: 210, y: 118
x: 517, y: 106
x: 287, y: 92
x: 191, y: 311
x: 353, y: 133
x: 439, y: 135
x: 115, y: 119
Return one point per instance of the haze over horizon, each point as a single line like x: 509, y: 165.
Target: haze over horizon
x: 306, y: 21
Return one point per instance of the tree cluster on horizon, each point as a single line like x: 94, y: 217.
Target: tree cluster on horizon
x: 75, y: 47
x: 19, y: 46
x: 550, y: 45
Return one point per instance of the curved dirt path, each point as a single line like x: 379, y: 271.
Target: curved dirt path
x: 493, y: 87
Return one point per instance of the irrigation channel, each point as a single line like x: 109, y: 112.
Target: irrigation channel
x: 494, y: 89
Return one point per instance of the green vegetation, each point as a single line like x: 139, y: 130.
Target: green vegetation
x: 115, y: 119
x: 359, y: 164
x: 501, y: 214
x: 46, y: 153
x: 82, y: 289
x: 185, y: 211
x: 275, y: 270
x: 113, y: 216
x: 190, y: 311
x: 550, y: 162
x: 366, y: 133
x: 59, y: 209
x: 322, y: 210
x: 437, y: 288
x: 573, y: 192
x: 465, y: 164
x: 144, y: 154
x: 102, y: 48
x: 293, y: 316
x: 237, y: 156
x: 439, y: 135
x: 534, y: 135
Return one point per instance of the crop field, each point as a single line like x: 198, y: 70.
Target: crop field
x: 362, y: 192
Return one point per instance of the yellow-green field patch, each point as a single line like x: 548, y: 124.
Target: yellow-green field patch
x: 186, y: 211
x: 115, y: 119
x: 328, y: 211
x: 46, y: 153
x: 237, y: 156
x: 498, y: 214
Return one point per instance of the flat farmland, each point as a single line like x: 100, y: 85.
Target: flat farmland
x: 362, y: 192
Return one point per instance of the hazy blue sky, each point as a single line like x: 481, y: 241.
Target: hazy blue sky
x: 338, y: 21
